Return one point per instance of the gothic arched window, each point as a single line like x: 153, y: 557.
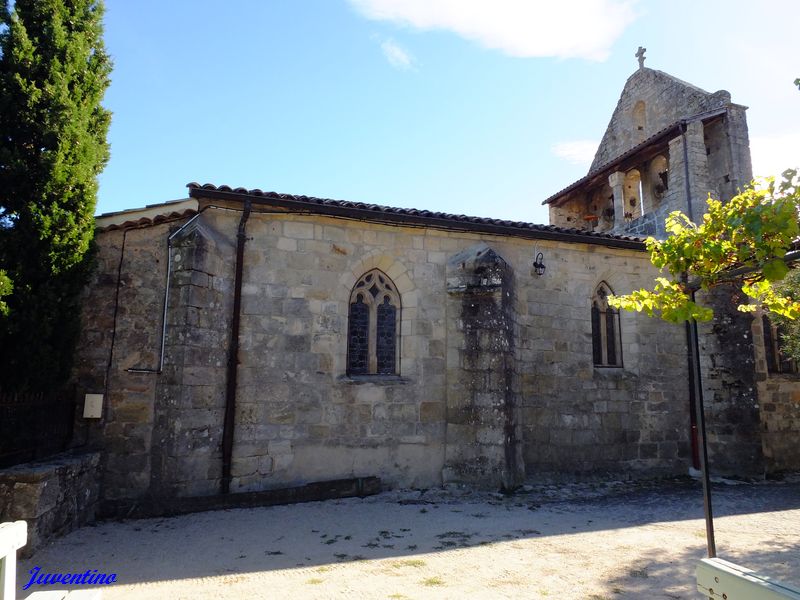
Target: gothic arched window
x: 606, y: 339
x: 373, y: 326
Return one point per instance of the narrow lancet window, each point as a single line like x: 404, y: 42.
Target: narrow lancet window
x: 606, y: 338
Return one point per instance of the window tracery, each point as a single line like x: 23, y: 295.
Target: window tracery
x: 373, y: 328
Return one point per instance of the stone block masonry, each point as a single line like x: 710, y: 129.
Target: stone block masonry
x: 495, y: 380
x: 730, y: 395
x: 778, y: 404
x: 483, y: 437
x: 54, y: 497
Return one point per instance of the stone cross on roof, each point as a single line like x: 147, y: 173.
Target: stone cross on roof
x: 640, y: 55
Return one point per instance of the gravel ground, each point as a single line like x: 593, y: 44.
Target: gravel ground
x: 611, y: 540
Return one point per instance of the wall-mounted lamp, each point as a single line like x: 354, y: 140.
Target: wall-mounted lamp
x: 538, y: 264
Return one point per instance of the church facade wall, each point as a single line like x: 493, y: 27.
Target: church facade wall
x: 580, y: 419
x: 301, y: 418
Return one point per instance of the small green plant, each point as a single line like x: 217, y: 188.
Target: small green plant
x: 411, y: 562
x: 314, y: 581
x: 432, y: 581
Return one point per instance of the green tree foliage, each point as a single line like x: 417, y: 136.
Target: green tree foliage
x: 53, y: 73
x: 744, y: 240
x: 5, y: 289
x: 789, y: 328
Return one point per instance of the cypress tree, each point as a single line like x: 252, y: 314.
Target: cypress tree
x: 53, y: 73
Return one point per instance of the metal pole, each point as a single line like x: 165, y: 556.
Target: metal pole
x: 695, y: 379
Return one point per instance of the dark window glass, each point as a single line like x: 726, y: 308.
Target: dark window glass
x: 611, y: 337
x: 358, y: 338
x: 597, y: 341
x: 386, y: 334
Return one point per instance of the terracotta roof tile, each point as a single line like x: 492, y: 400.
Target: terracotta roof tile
x: 148, y: 222
x: 379, y: 212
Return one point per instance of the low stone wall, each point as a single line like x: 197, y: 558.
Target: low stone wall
x: 54, y: 496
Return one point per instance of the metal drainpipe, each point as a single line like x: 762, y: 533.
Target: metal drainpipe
x: 695, y: 382
x: 233, y: 356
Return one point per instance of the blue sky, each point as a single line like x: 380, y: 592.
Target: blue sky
x: 472, y: 107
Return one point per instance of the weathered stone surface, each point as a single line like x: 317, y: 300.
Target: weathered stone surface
x: 54, y: 497
x: 483, y: 404
x: 778, y: 404
x: 711, y: 147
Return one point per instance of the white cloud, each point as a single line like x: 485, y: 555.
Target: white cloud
x: 774, y: 154
x: 525, y: 28
x: 578, y: 152
x: 397, y: 56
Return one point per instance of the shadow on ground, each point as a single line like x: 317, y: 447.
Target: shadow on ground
x: 403, y: 525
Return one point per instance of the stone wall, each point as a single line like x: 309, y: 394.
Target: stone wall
x: 300, y: 418
x: 54, y: 496
x: 585, y: 421
x: 650, y: 224
x: 190, y: 392
x: 307, y: 419
x: 484, y: 436
x: 119, y: 354
x: 665, y: 99
x: 715, y: 143
x: 727, y: 363
x: 779, y: 410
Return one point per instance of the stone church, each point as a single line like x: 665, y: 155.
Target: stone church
x: 244, y: 341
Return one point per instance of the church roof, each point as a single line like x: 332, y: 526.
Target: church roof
x: 411, y: 216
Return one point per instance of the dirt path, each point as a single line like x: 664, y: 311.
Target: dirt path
x: 548, y: 543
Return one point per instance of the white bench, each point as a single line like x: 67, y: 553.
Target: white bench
x: 719, y: 579
x: 14, y: 536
